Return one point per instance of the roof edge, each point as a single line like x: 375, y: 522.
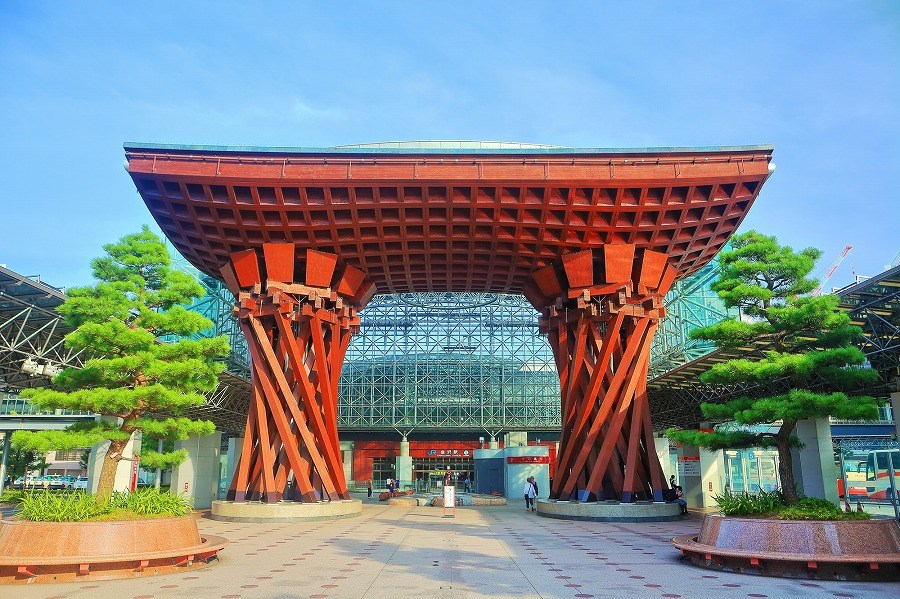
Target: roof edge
x: 344, y: 150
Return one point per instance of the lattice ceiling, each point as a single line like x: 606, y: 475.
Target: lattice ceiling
x: 441, y: 221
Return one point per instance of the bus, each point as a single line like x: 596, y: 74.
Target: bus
x: 868, y: 474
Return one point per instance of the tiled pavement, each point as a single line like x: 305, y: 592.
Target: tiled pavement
x: 405, y: 552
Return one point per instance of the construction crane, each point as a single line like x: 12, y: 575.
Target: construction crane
x: 831, y: 269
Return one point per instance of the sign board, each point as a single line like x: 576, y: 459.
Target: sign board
x: 528, y: 459
x: 450, y: 500
x: 688, y: 466
x: 134, y: 473
x: 710, y: 486
x: 449, y: 496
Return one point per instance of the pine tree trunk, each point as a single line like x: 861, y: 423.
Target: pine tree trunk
x: 108, y: 472
x: 786, y: 462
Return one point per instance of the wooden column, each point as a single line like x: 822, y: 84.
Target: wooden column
x: 601, y: 308
x: 297, y: 334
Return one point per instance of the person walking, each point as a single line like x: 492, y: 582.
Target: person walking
x: 369, y: 487
x: 529, y: 495
x: 466, y: 483
x: 537, y: 492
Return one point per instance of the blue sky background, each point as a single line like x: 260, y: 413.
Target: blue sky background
x: 819, y: 80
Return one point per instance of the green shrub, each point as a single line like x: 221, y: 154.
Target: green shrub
x: 11, y: 496
x: 771, y: 505
x: 747, y: 504
x: 77, y: 506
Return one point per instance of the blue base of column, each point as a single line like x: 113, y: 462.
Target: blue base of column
x: 627, y: 496
x: 583, y: 496
x: 657, y: 496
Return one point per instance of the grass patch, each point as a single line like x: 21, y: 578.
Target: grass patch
x: 771, y: 505
x: 78, y: 506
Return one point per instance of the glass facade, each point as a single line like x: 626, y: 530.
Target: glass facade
x: 449, y: 360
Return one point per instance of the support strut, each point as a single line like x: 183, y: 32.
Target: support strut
x: 601, y: 308
x: 297, y: 334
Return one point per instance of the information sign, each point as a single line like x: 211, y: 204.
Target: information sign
x: 450, y: 500
x: 688, y: 466
x: 449, y: 496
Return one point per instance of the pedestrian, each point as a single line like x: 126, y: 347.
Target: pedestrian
x: 529, y: 495
x: 537, y: 492
x: 679, y: 499
x: 447, y: 478
x: 672, y: 481
x: 466, y: 483
x: 369, y: 487
x: 390, y: 485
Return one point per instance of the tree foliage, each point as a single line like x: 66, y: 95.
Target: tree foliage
x: 22, y: 461
x: 143, y: 371
x: 808, y: 353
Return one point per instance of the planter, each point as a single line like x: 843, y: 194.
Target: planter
x: 842, y: 550
x: 609, y: 511
x: 67, y: 551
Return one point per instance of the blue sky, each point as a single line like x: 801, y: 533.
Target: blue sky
x: 818, y: 80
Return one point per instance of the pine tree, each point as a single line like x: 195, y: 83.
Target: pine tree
x: 808, y: 349
x: 136, y: 377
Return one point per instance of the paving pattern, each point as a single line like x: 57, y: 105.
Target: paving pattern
x: 417, y: 552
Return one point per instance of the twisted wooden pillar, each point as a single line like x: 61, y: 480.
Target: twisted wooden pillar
x: 601, y: 309
x: 297, y: 335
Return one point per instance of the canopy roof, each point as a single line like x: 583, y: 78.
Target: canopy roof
x: 447, y: 216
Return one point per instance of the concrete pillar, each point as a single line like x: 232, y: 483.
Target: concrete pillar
x: 235, y: 445
x: 125, y: 466
x: 403, y: 465
x: 157, y: 479
x: 701, y: 475
x: 198, y: 475
x: 525, y: 462
x: 347, y: 460
x: 662, y: 453
x: 4, y: 460
x: 895, y: 408
x: 814, y: 470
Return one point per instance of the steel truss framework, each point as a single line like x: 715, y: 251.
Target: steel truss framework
x: 691, y: 304
x: 31, y: 333
x: 449, y: 361
x: 874, y: 305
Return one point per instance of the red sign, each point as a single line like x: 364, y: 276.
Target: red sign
x: 528, y: 459
x: 134, y: 473
x: 710, y: 485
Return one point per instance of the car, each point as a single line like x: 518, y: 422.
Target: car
x: 80, y: 483
x: 37, y: 482
x: 61, y: 482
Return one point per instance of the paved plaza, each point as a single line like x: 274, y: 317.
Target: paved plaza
x: 405, y: 552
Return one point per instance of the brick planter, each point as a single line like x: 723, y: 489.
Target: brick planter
x: 843, y: 550
x: 67, y: 551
